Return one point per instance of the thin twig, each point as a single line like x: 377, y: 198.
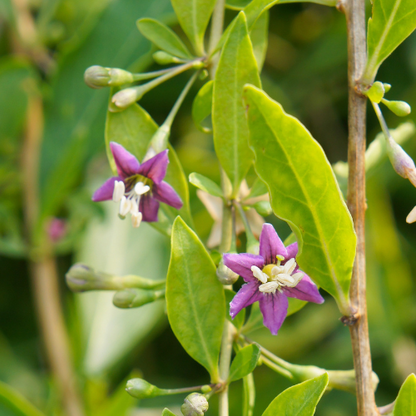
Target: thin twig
x: 356, y: 32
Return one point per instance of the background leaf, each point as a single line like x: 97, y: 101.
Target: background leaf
x: 406, y: 400
x: 304, y: 193
x: 206, y: 184
x: 299, y: 400
x: 195, y: 298
x: 15, y: 403
x: 202, y: 106
x: 392, y: 22
x: 237, y: 67
x: 244, y: 362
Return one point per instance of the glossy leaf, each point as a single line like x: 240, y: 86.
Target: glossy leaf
x: 392, y: 22
x: 237, y: 67
x: 195, y: 298
x: 202, y: 106
x: 16, y: 403
x: 244, y: 362
x: 193, y: 16
x: 304, y: 193
x: 240, y: 318
x: 259, y: 36
x: 299, y: 400
x: 406, y: 400
x: 206, y: 184
x: 163, y: 37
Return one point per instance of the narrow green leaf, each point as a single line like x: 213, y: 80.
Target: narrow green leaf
x: 202, y: 106
x: 16, y: 403
x: 195, y: 298
x: 193, y: 16
x: 299, y: 400
x: 237, y: 67
x: 304, y: 193
x: 259, y: 36
x: 239, y: 320
x: 163, y: 37
x: 244, y: 362
x: 406, y: 400
x: 392, y: 22
x: 206, y: 184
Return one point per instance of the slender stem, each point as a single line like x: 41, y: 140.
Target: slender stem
x: 381, y: 120
x: 153, y: 74
x: 185, y: 389
x: 277, y: 368
x: 251, y: 240
x: 356, y: 32
x: 249, y: 395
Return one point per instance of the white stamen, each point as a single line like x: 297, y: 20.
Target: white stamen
x: 125, y: 206
x: 269, y: 287
x: 119, y: 190
x: 277, y: 270
x: 412, y: 216
x: 259, y: 274
x: 289, y: 266
x: 136, y: 219
x: 297, y: 278
x: 134, y: 206
x: 140, y: 188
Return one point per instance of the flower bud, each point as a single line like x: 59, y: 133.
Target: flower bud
x: 194, y: 405
x: 402, y: 163
x: 400, y: 108
x: 263, y: 208
x: 97, y: 76
x: 387, y: 87
x: 376, y: 92
x: 127, y: 97
x: 203, y: 75
x: 225, y: 275
x: 57, y: 228
x: 164, y: 58
x: 141, y: 389
x: 119, y: 77
x: 133, y: 298
x: 81, y: 278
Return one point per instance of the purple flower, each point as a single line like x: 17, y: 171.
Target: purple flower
x: 272, y: 277
x: 138, y: 187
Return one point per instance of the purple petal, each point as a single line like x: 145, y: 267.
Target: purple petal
x: 127, y: 164
x: 163, y: 192
x: 271, y: 245
x: 248, y: 294
x: 274, y: 310
x: 149, y: 207
x: 304, y: 290
x: 292, y: 251
x: 241, y: 264
x: 155, y: 168
x: 105, y: 191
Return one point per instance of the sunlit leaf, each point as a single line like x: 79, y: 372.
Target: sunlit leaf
x: 163, y: 37
x: 406, y: 400
x: 299, y: 400
x: 202, y: 106
x: 304, y: 193
x: 206, y: 184
x: 237, y: 67
x: 244, y: 362
x: 195, y: 298
x: 259, y: 36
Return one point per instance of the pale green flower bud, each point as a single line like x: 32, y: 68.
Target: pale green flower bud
x: 127, y: 97
x: 81, y: 278
x: 225, y: 275
x: 263, y: 208
x: 141, y: 389
x: 164, y: 58
x: 376, y: 92
x: 402, y: 163
x: 400, y: 108
x: 98, y: 77
x: 134, y: 298
x: 120, y: 77
x: 387, y: 87
x: 194, y: 405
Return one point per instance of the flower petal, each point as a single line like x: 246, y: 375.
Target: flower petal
x: 155, y: 168
x: 105, y: 191
x: 241, y: 264
x: 271, y: 245
x: 273, y: 306
x: 292, y: 250
x: 127, y: 164
x: 163, y: 192
x: 149, y: 207
x: 304, y: 290
x: 248, y: 294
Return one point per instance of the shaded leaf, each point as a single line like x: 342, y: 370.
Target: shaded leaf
x: 406, y: 400
x: 299, y: 400
x: 304, y: 193
x: 16, y: 403
x: 202, y: 106
x: 244, y: 362
x: 195, y: 298
x: 206, y: 184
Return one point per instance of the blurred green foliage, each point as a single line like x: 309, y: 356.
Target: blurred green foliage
x: 305, y: 70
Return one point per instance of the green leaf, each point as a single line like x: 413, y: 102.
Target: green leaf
x: 202, y: 106
x: 259, y: 36
x: 167, y: 412
x: 244, y: 362
x: 406, y: 400
x: 163, y: 37
x: 16, y: 403
x: 193, y: 16
x: 237, y: 4
x: 392, y: 22
x: 195, y: 298
x: 259, y: 188
x: 304, y: 193
x: 237, y: 66
x: 238, y: 321
x: 299, y: 400
x: 206, y: 184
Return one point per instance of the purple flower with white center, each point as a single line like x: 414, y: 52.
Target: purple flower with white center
x: 138, y: 187
x: 272, y: 277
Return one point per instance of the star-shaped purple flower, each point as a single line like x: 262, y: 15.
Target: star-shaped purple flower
x: 272, y: 277
x: 138, y: 187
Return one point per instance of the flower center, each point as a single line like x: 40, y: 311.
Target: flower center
x: 276, y: 276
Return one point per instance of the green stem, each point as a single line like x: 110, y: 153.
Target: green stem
x: 277, y: 368
x: 381, y: 120
x: 251, y: 240
x: 153, y: 74
x: 249, y: 395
